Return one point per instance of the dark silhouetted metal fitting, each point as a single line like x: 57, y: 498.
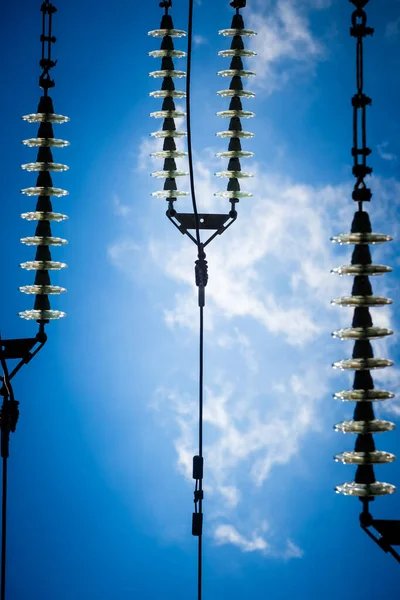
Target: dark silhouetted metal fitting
x: 362, y: 194
x: 362, y: 317
x: 235, y: 124
x: 167, y: 64
x: 365, y: 443
x: 365, y: 474
x: 361, y: 255
x: 360, y: 269
x: 169, y: 164
x: 361, y: 301
x: 42, y: 278
x: 167, y: 43
x: 197, y: 524
x: 236, y: 63
x: 168, y: 84
x: 45, y: 105
x: 363, y: 395
x: 363, y: 427
x: 359, y: 3
x: 235, y: 145
x: 233, y: 185
x: 360, y: 100
x: 361, y: 171
x: 237, y: 43
x: 235, y: 103
x: 361, y: 286
x: 198, y: 464
x: 44, y: 180
x: 170, y: 185
x: 237, y: 22
x: 166, y: 22
x: 361, y: 222
x: 45, y: 155
x: 363, y: 349
x: 168, y: 104
x: 44, y: 204
x: 43, y: 229
x: 43, y: 253
x: 42, y: 302
x: 169, y: 144
x: 363, y: 381
x: 234, y: 165
x: 361, y: 151
x: 169, y: 124
x: 236, y: 83
x: 45, y: 130
x: 364, y: 412
x: 362, y: 364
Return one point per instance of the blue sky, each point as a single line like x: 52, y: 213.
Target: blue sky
x: 100, y: 494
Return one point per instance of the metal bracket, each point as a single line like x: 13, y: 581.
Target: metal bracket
x: 389, y: 534
x: 20, y: 349
x: 206, y: 221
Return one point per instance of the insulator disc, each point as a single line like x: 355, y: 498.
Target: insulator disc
x: 363, y: 395
x: 167, y: 73
x: 240, y: 32
x: 42, y: 289
x: 43, y: 265
x: 361, y: 270
x: 168, y: 133
x: 169, y: 174
x: 242, y: 114
x: 363, y: 427
x: 237, y: 52
x: 43, y: 216
x: 355, y: 301
x: 362, y: 333
x: 235, y: 154
x: 169, y: 53
x: 170, y: 194
x: 235, y: 133
x: 233, y: 194
x: 169, y: 154
x: 361, y: 238
x: 167, y: 94
x: 163, y: 32
x: 365, y: 489
x: 362, y: 364
x: 45, y: 118
x: 233, y: 174
x: 43, y: 315
x: 45, y: 166
x: 37, y: 240
x: 44, y: 191
x: 45, y: 143
x: 365, y: 458
x: 165, y: 114
x: 240, y: 93
x: 236, y: 73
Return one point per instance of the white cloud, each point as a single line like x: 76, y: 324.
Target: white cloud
x: 120, y: 209
x: 392, y: 29
x: 384, y: 154
x: 228, y: 534
x: 199, y: 40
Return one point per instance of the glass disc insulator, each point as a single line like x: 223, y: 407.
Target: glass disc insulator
x: 363, y: 395
x: 44, y: 191
x: 158, y: 33
x: 240, y: 93
x: 169, y: 154
x: 354, y: 301
x: 168, y: 114
x: 242, y: 114
x: 365, y: 458
x: 234, y: 133
x: 363, y: 364
x: 233, y: 174
x: 42, y: 289
x: 43, y: 216
x: 236, y: 73
x: 361, y: 238
x: 237, y: 52
x: 235, y: 154
x: 361, y: 270
x: 45, y: 166
x: 42, y: 315
x: 167, y: 73
x: 364, y: 490
x: 37, y: 240
x: 168, y: 133
x: 169, y: 174
x: 43, y: 265
x: 233, y: 32
x: 363, y: 427
x: 170, y: 194
x: 45, y: 143
x: 362, y: 333
x: 233, y: 194
x: 45, y: 118
x: 167, y: 94
x: 167, y: 53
